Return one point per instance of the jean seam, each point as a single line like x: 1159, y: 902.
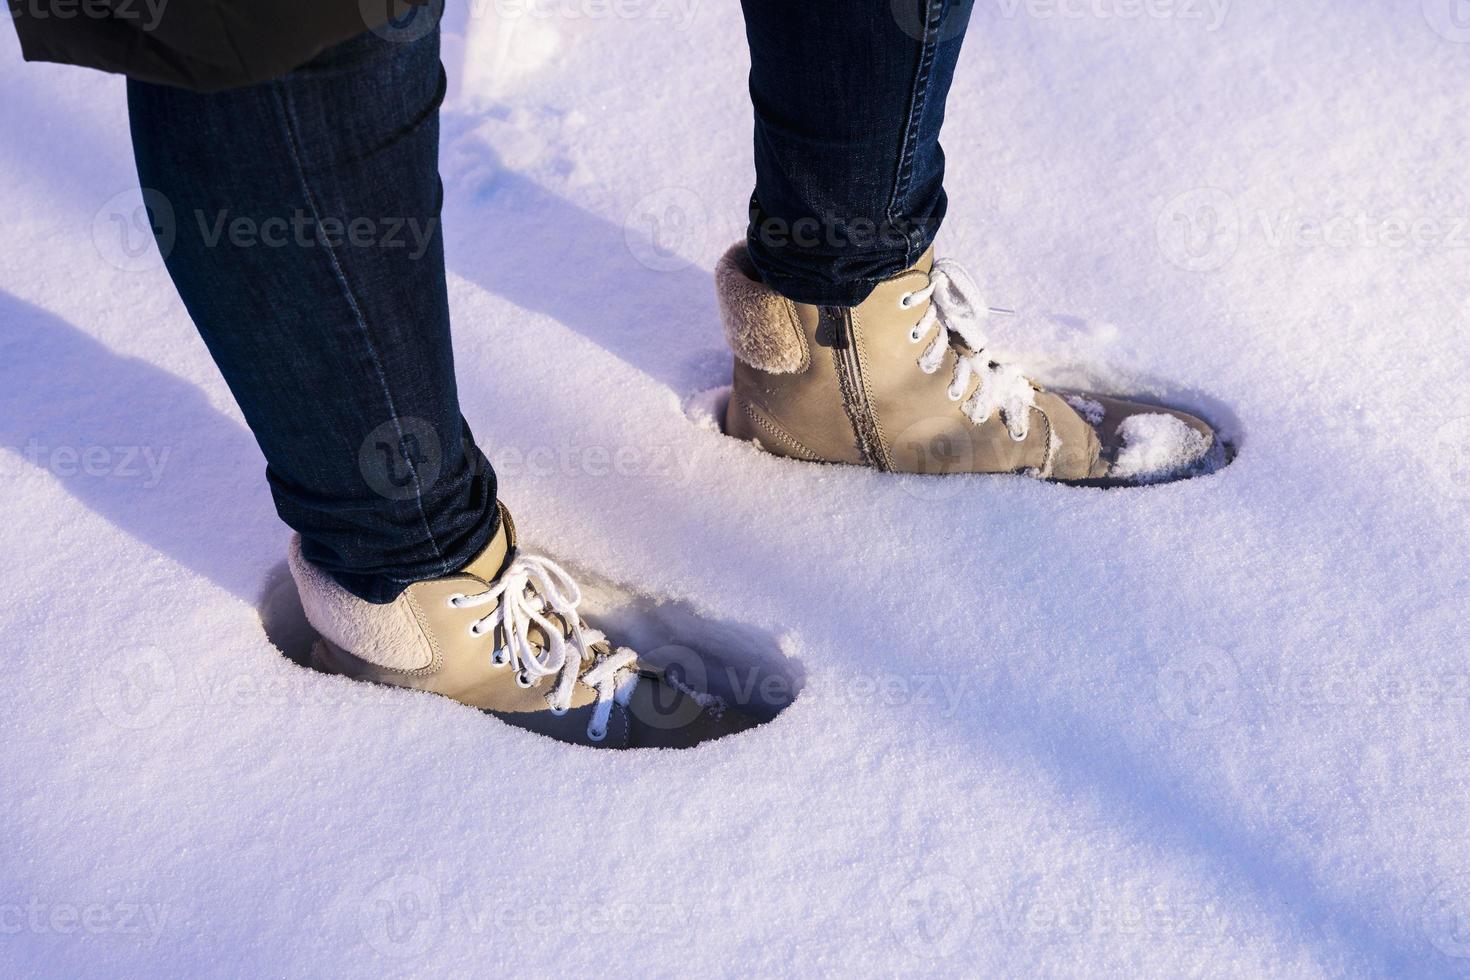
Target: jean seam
x: 918, y: 99
x: 282, y: 99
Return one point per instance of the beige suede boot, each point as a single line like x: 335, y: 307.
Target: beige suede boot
x: 902, y: 383
x: 504, y: 635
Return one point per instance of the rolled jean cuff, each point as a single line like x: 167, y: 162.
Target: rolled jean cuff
x: 379, y: 541
x: 381, y: 587
x: 832, y: 263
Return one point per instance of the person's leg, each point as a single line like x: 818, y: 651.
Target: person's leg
x: 300, y: 222
x: 852, y: 343
x: 849, y: 98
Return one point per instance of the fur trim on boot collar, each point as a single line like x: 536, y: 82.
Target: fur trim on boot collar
x: 390, y: 635
x: 761, y: 325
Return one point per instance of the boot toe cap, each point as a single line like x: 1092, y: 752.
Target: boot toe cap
x: 1143, y: 444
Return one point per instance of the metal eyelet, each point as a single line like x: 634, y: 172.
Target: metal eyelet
x: 475, y: 629
x: 454, y: 600
x: 915, y: 336
x: 558, y: 712
x: 597, y: 734
x: 499, y: 658
x: 524, y: 681
x: 906, y: 300
x: 954, y: 396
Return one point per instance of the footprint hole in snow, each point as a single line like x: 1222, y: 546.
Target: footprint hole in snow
x: 706, y: 409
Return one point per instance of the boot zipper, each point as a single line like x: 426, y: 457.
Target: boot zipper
x: 855, y: 391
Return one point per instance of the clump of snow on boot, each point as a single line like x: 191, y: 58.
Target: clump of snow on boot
x: 1158, y: 447
x: 1090, y: 409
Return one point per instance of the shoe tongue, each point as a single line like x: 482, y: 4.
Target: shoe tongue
x: 488, y: 564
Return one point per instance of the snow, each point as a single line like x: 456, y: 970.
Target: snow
x: 1157, y: 447
x: 1213, y: 728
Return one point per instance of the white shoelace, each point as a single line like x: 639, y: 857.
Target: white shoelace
x: 956, y: 307
x: 529, y: 589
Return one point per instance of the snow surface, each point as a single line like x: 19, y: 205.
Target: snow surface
x: 1215, y: 728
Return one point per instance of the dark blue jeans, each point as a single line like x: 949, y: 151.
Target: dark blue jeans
x: 849, y: 98
x: 300, y: 222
